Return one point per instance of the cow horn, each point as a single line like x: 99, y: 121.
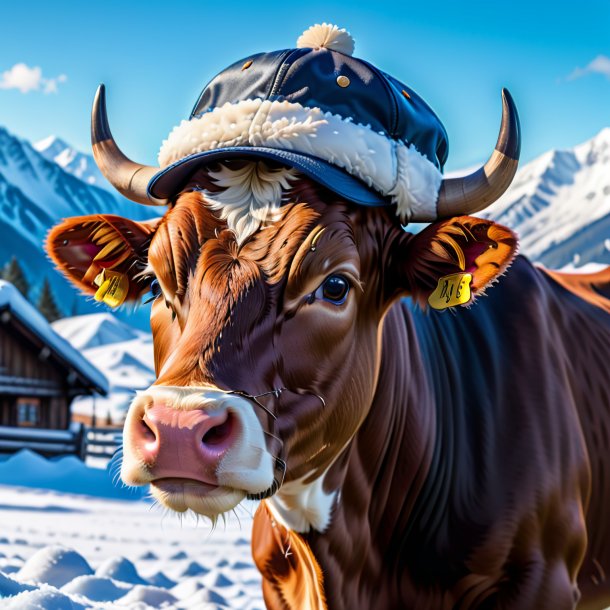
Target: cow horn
x: 477, y: 191
x: 129, y: 178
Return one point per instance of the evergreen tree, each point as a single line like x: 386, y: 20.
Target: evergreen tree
x: 13, y: 272
x: 46, y: 303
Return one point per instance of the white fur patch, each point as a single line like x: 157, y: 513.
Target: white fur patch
x: 392, y: 168
x: 251, y: 196
x: 301, y: 507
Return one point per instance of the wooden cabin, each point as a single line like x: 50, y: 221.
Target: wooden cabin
x: 40, y: 372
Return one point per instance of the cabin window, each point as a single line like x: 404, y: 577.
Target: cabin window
x: 28, y: 412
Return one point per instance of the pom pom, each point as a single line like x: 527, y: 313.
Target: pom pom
x: 326, y: 36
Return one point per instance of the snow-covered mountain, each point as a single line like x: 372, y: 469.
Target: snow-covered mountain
x: 122, y: 353
x: 35, y: 193
x: 72, y: 161
x: 559, y: 204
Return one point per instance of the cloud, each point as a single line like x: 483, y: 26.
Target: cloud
x: 27, y: 79
x: 600, y: 65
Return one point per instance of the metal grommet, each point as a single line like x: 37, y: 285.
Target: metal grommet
x: 343, y: 81
x: 246, y: 65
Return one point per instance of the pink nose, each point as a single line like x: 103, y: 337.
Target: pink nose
x: 183, y: 444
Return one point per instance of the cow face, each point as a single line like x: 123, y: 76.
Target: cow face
x: 266, y: 322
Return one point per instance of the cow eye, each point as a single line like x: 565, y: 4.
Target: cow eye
x: 334, y: 289
x: 155, y: 288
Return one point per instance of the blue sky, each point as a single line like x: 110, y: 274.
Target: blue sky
x: 155, y: 58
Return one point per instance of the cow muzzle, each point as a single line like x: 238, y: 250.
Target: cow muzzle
x: 199, y: 448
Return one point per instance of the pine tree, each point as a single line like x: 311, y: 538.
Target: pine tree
x: 13, y: 272
x: 46, y: 303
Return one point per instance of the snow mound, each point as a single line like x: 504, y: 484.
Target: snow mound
x: 161, y: 580
x: 55, y: 565
x: 148, y: 556
x: 121, y: 569
x: 179, y: 555
x: 204, y: 596
x: 43, y: 599
x: 9, y: 587
x: 217, y: 579
x: 96, y: 589
x: 194, y: 569
x: 152, y: 596
x: 242, y: 565
x: 187, y: 588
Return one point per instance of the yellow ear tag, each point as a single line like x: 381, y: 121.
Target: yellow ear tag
x: 451, y: 290
x: 113, y: 288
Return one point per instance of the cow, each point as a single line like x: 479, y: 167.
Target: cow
x: 423, y: 416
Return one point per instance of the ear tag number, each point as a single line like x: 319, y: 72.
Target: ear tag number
x: 451, y: 290
x: 113, y: 288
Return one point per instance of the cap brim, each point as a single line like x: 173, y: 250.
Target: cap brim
x: 168, y: 181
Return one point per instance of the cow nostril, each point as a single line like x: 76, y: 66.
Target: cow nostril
x: 147, y: 431
x: 219, y: 434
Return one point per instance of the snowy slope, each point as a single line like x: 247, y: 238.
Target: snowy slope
x: 559, y: 204
x: 35, y: 193
x: 72, y: 161
x: 62, y: 551
x: 123, y: 354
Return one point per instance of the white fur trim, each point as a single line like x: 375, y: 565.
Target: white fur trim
x: 327, y: 36
x: 393, y: 168
x: 417, y: 178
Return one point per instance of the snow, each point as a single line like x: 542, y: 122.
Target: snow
x: 122, y: 353
x: 63, y: 550
x: 67, y: 474
x: 78, y: 164
x: 54, y: 565
x: 95, y: 330
x: 30, y: 317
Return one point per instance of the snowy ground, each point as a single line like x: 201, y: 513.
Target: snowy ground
x: 65, y: 551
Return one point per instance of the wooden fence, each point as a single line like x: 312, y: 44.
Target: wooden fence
x: 103, y: 442
x: 49, y: 443
x: 77, y: 440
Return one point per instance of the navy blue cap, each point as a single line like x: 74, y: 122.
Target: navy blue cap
x: 309, y: 77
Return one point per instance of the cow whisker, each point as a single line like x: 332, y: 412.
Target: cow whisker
x: 255, y: 401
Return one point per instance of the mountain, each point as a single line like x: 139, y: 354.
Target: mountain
x: 35, y: 193
x: 559, y: 204
x: 122, y: 353
x: 72, y: 161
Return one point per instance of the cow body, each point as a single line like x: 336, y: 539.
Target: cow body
x: 480, y: 472
x: 406, y: 458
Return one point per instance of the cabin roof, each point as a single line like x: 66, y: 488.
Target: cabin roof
x: 31, y: 318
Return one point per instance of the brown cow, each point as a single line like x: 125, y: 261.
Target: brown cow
x: 433, y: 460
x: 405, y: 457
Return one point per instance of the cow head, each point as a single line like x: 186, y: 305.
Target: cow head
x: 266, y: 323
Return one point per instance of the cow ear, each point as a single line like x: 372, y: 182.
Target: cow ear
x: 103, y: 255
x: 451, y: 262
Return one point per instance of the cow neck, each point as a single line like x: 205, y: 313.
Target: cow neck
x: 382, y: 472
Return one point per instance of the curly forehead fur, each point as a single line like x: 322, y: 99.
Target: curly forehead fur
x: 248, y: 195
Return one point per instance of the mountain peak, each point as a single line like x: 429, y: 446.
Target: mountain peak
x: 51, y: 145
